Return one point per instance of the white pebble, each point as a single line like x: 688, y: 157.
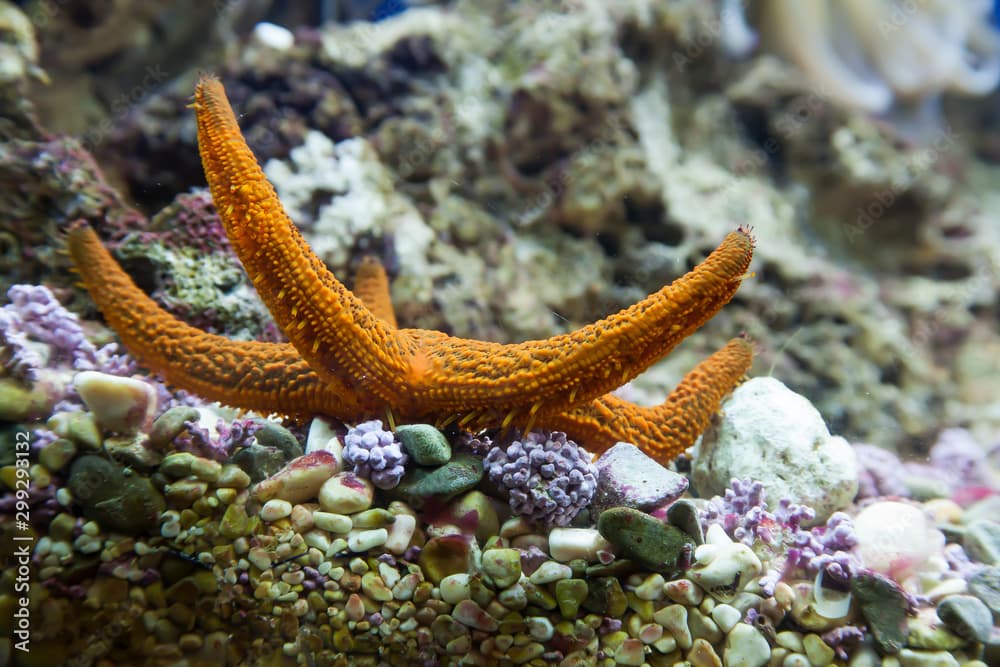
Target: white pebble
x: 550, y: 571
x: 566, y: 544
x: 746, y: 647
x: 275, y: 509
x: 317, y: 539
x: 274, y: 36
x: 331, y: 522
x: 363, y: 540
x: 726, y: 617
x: 120, y: 404
x: 64, y: 497
x: 346, y: 493
x: 400, y: 533
x: 455, y: 587
x: 896, y: 538
x: 323, y: 436
x: 540, y: 628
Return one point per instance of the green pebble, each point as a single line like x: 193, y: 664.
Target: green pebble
x: 259, y: 462
x: 170, y: 424
x: 503, y: 566
x: 460, y: 474
x: 570, y: 594
x: 61, y: 528
x: 373, y: 518
x: 177, y: 465
x: 57, y: 454
x: 476, y: 508
x: 648, y: 541
x: 606, y: 597
x: 538, y: 596
x: 280, y: 438
x: 443, y: 556
x: 21, y: 403
x: 234, y: 522
x: 80, y: 427
x: 425, y: 444
x: 120, y: 502
x: 883, y: 604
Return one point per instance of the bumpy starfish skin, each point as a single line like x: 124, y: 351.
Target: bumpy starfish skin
x: 427, y: 372
x: 347, y: 359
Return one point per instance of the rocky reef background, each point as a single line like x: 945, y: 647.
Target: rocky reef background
x: 525, y: 169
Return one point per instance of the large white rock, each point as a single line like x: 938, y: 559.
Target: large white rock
x: 771, y: 434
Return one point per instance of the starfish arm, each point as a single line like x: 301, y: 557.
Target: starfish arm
x: 371, y: 285
x: 537, y: 379
x: 266, y: 377
x: 663, y: 431
x: 330, y: 327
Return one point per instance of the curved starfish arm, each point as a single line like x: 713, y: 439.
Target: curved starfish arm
x: 663, y: 431
x: 266, y: 377
x: 330, y: 327
x: 371, y: 285
x: 537, y: 379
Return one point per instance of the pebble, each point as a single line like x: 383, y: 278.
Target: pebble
x: 549, y: 572
x: 648, y: 541
x: 332, y: 522
x: 171, y: 424
x: 723, y: 567
x: 360, y: 541
x: 459, y: 474
x: 128, y: 504
x: 982, y: 541
x: 258, y: 462
x: 444, y: 555
x: 627, y: 477
x: 674, y: 618
x: 301, y: 480
x: 345, y: 493
x: 503, y: 566
x: 566, y: 544
x: 651, y: 587
x: 985, y: 585
x: 539, y: 628
x: 967, y: 616
x: 120, y: 404
x: 233, y: 477
x: 424, y: 443
x: 57, y: 454
x: 234, y: 522
x: 570, y: 594
x: 631, y: 652
x: 275, y: 509
x: 818, y: 651
x: 684, y: 591
x: 77, y: 426
x: 746, y: 647
x: 726, y: 617
x: 400, y: 533
x: 883, y: 605
x: 702, y: 654
x: 276, y: 436
x: 475, y: 511
x: 912, y: 658
x: 469, y: 613
x: 770, y: 434
x: 455, y: 587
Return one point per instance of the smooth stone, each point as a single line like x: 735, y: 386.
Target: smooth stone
x: 883, y: 605
x: 723, y: 567
x: 120, y: 405
x: 443, y: 556
x: 726, y: 616
x: 132, y: 451
x: 967, y: 616
x: 745, y: 647
x: 550, y: 571
x: 570, y: 594
x: 911, y: 658
x: 235, y: 522
x: 646, y: 540
x: 232, y: 477
x: 332, y: 523
x: 177, y: 464
x: 323, y: 436
x: 455, y: 588
x: 566, y: 544
x: 301, y: 480
x: 468, y: 613
x: 376, y: 517
x: 275, y: 509
x: 360, y: 541
x: 674, y: 618
x: 79, y: 427
x: 985, y: 585
x: 259, y: 462
x: 475, y: 511
x: 424, y: 443
x: 982, y: 541
x: 57, y: 454
x: 459, y: 474
x: 626, y: 477
x: 171, y: 424
x: 817, y: 650
x: 685, y: 515
x: 400, y: 533
x: 503, y: 566
x: 702, y: 654
x: 770, y: 434
x: 605, y: 596
x: 128, y: 504
x: 276, y: 436
x: 896, y: 539
x: 345, y: 492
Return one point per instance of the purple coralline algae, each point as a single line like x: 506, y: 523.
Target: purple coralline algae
x: 36, y: 331
x: 375, y: 454
x: 547, y: 478
x: 743, y: 514
x: 220, y: 445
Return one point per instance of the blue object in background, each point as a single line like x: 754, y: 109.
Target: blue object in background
x: 388, y: 8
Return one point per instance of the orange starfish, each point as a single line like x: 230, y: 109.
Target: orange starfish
x: 347, y: 359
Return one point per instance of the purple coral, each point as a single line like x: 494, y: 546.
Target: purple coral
x: 742, y: 512
x: 548, y: 478
x: 375, y: 454
x: 879, y: 472
x: 228, y: 437
x: 36, y: 330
